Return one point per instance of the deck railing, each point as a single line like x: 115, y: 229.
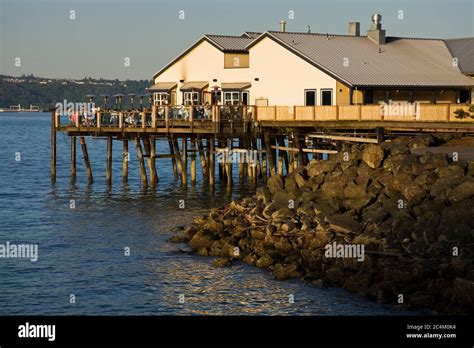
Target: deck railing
x: 170, y: 116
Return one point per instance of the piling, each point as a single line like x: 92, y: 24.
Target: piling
x: 85, y: 155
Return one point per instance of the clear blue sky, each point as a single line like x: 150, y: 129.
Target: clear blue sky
x: 150, y: 33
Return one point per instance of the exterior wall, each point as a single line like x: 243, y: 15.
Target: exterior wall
x: 446, y: 97
x: 284, y: 80
x: 236, y: 60
x: 424, y: 97
x: 342, y: 94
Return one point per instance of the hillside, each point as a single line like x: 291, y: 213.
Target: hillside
x: 44, y: 92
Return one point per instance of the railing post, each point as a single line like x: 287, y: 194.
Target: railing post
x: 167, y: 117
x: 359, y: 111
x: 143, y: 116
x: 99, y: 116
x: 337, y: 112
x: 294, y: 112
x: 121, y: 120
x: 274, y: 113
x: 191, y: 116
x: 78, y: 120
x: 153, y: 116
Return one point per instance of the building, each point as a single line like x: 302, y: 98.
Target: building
x: 290, y: 68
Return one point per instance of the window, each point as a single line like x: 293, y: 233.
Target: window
x: 326, y: 97
x: 464, y: 96
x: 245, y: 98
x: 190, y: 98
x: 310, y: 97
x: 160, y: 98
x: 232, y: 98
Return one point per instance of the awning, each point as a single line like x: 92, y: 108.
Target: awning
x: 235, y: 85
x: 196, y: 85
x: 162, y: 86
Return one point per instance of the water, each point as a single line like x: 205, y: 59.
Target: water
x: 82, y: 250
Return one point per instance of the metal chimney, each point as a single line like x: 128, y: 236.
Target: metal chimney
x: 282, y: 25
x: 376, y: 33
x: 354, y: 28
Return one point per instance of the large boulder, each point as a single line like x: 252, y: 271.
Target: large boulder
x: 461, y: 192
x: 283, y: 272
x: 373, y: 155
x: 202, y: 239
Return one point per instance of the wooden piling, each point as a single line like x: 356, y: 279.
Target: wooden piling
x: 147, y: 147
x: 141, y: 162
x: 108, y: 174
x: 268, y: 149
x: 125, y: 158
x: 179, y: 162
x: 264, y: 158
x: 193, y: 161
x: 152, y: 161
x: 73, y: 158
x: 184, y: 159
x: 85, y: 155
x: 228, y: 163
x: 210, y: 144
x: 281, y: 141
x: 53, y: 146
x: 173, y: 159
x: 202, y: 158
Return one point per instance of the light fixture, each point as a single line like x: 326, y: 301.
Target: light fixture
x: 257, y: 79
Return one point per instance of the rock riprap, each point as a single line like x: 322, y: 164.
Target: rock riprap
x: 412, y: 217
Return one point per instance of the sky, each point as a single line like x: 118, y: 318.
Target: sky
x: 133, y: 39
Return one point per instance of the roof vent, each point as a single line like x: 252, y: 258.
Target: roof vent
x: 354, y: 28
x: 282, y: 26
x: 376, y: 33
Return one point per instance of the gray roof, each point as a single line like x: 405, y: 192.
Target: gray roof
x: 252, y: 34
x: 463, y: 49
x: 401, y: 62
x: 230, y: 43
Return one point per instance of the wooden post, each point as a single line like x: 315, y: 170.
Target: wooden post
x: 241, y: 164
x: 268, y: 148
x: 152, y: 161
x: 284, y: 153
x: 221, y: 165
x: 173, y: 159
x: 193, y: 161
x: 179, y: 161
x: 228, y: 163
x: 108, y: 174
x: 73, y: 158
x: 258, y: 168
x: 53, y: 146
x: 125, y: 158
x: 380, y: 134
x: 280, y: 158
x: 210, y: 145
x: 184, y: 159
x: 203, y: 158
x: 141, y: 162
x: 85, y: 155
x: 151, y: 167
x: 264, y: 158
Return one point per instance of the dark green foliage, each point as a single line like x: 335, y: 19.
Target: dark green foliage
x: 31, y: 91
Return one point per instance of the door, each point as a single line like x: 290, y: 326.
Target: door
x: 310, y: 97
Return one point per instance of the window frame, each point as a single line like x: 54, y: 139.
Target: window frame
x: 192, y: 100
x: 232, y: 92
x: 315, y: 91
x: 332, y: 95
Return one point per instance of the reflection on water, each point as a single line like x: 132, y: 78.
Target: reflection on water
x: 82, y: 250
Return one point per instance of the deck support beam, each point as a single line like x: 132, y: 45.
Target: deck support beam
x: 125, y: 159
x: 173, y: 159
x: 152, y: 161
x: 53, y: 147
x: 141, y: 162
x: 108, y: 172
x: 85, y: 155
x: 73, y: 158
x: 211, y: 157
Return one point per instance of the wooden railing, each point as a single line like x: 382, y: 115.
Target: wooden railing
x: 419, y: 113
x: 169, y: 116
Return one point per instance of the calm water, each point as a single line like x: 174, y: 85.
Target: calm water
x: 81, y: 251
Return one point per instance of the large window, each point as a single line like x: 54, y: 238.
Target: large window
x: 326, y: 97
x: 310, y: 97
x: 232, y: 98
x: 160, y: 98
x: 190, y: 98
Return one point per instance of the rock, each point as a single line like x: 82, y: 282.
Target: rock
x: 461, y: 192
x: 335, y: 276
x: 202, y: 239
x: 178, y: 239
x: 263, y: 194
x: 421, y: 141
x: 264, y: 262
x: 275, y: 184
x: 256, y: 234
x: 221, y: 263
x: 286, y: 272
x: 372, y: 155
x: 464, y: 293
x: 344, y: 223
